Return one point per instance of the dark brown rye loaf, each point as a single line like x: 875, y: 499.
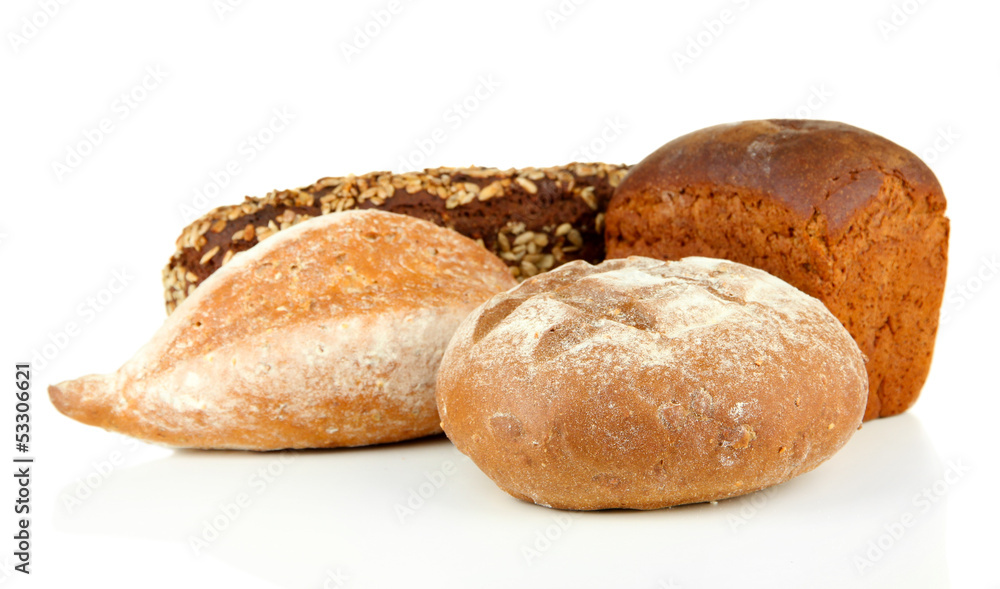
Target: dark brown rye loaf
x: 841, y: 213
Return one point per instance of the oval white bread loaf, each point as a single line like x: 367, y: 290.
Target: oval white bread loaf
x: 328, y: 334
x: 643, y: 384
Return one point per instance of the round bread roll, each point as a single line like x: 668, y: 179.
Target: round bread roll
x: 643, y: 384
x: 329, y: 334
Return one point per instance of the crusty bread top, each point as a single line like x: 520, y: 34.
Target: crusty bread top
x: 652, y: 312
x: 396, y: 265
x: 809, y: 166
x: 640, y: 383
x: 353, y: 306
x: 561, y: 207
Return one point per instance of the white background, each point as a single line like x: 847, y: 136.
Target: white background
x: 603, y: 82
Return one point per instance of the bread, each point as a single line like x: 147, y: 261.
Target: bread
x: 329, y: 334
x: 643, y: 384
x: 534, y: 218
x: 843, y: 214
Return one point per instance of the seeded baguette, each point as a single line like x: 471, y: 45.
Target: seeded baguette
x: 535, y: 219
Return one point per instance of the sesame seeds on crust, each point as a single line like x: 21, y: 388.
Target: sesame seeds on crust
x: 446, y: 196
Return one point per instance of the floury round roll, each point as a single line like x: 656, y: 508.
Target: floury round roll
x: 642, y: 384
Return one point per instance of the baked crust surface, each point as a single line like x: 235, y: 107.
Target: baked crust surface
x: 841, y: 213
x: 641, y: 384
x: 533, y: 218
x: 329, y: 334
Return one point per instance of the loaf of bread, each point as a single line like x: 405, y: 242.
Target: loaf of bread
x: 843, y: 214
x: 533, y: 218
x: 642, y: 384
x: 329, y: 334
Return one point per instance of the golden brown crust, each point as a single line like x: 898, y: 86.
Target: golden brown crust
x: 328, y: 335
x: 807, y: 166
x: 843, y: 214
x: 533, y: 218
x: 642, y: 384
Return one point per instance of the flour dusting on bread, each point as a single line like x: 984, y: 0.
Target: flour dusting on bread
x: 328, y: 334
x: 643, y: 383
